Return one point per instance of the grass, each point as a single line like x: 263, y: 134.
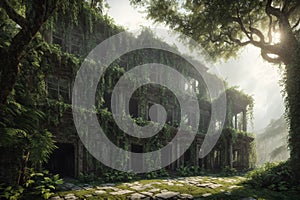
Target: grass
x: 241, y: 191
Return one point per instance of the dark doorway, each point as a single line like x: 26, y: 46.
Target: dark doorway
x: 137, y: 162
x: 187, y: 157
x: 133, y: 108
x: 62, y: 161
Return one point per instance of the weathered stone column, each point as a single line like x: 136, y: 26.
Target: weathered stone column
x: 244, y: 120
x: 230, y: 151
x: 235, y: 121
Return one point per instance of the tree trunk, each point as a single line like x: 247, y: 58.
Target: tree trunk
x: 293, y: 108
x: 9, y: 72
x: 22, y: 175
x: 11, y: 56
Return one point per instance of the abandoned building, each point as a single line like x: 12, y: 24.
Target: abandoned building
x: 233, y: 149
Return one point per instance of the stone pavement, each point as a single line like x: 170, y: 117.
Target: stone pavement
x: 150, y: 191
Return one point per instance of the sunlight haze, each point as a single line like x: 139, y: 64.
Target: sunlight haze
x: 249, y: 71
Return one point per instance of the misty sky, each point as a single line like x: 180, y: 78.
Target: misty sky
x: 249, y: 71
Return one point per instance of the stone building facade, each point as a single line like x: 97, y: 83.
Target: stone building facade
x: 233, y: 149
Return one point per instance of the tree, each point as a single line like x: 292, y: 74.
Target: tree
x: 224, y: 27
x: 29, y: 17
x: 29, y: 22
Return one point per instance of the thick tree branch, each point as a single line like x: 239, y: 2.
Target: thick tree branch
x: 20, y: 20
x: 240, y: 22
x: 273, y: 11
x: 237, y: 41
x: 296, y: 24
x: 258, y: 33
x: 10, y: 57
x: 265, y: 56
x: 285, y: 6
x: 270, y: 29
x: 38, y: 17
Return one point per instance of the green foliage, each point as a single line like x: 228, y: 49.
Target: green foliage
x: 228, y: 171
x: 157, y: 174
x: 38, y: 185
x: 118, y: 176
x: 222, y: 28
x: 87, y: 178
x: 189, y: 171
x: 11, y: 192
x: 274, y: 176
x: 22, y: 133
x: 42, y: 184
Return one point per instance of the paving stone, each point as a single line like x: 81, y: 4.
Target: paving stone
x: 136, y: 196
x: 87, y: 188
x: 154, y: 190
x: 206, y: 194
x: 156, y: 183
x: 150, y: 194
x: 194, y: 182
x: 178, y: 184
x: 56, y: 198
x: 70, y: 194
x: 164, y: 190
x: 70, y: 197
x: 203, y: 184
x: 213, y: 186
x: 185, y: 196
x: 167, y: 195
x: 149, y: 185
x: 109, y: 184
x: 76, y: 188
x: 88, y: 195
x: 233, y: 186
x: 108, y: 188
x: 181, y: 181
x: 230, y: 180
x: 138, y: 187
x: 121, y: 192
x: 141, y: 187
x: 98, y: 192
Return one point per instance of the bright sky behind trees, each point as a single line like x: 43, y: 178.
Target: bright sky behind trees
x: 249, y: 71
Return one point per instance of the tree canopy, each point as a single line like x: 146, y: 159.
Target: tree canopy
x: 223, y: 27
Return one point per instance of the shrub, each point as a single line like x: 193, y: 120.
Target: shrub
x: 228, y: 171
x: 87, y: 178
x: 157, y: 174
x: 274, y: 176
x: 38, y: 185
x: 188, y: 171
x: 118, y: 176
